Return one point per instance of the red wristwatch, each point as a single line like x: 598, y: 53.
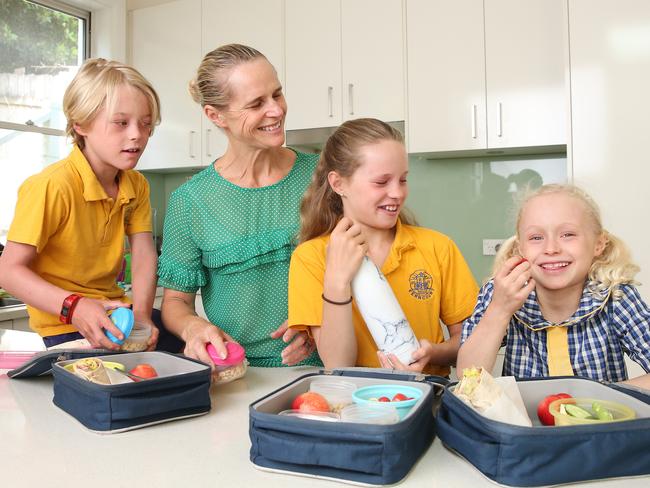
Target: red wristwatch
x: 68, y: 307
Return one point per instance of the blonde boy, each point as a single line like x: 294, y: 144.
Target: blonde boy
x: 65, y: 245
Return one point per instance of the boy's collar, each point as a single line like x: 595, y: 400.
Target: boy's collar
x: 92, y: 188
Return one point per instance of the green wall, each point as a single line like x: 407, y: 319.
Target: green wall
x: 469, y: 199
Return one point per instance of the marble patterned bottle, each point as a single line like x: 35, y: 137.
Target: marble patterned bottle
x: 382, y: 312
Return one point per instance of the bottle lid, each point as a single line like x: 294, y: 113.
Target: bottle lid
x: 123, y: 319
x: 236, y: 354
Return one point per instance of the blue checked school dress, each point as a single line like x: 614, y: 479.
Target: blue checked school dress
x: 599, y: 334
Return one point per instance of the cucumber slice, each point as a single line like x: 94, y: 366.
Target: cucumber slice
x: 578, y: 412
x: 601, y: 412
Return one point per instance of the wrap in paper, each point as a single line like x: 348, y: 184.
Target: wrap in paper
x: 91, y: 369
x: 495, y: 398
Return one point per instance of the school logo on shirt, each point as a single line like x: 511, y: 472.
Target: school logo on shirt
x: 420, y: 285
x: 128, y: 213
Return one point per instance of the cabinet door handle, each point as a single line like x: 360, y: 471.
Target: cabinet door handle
x: 499, y: 122
x: 330, y: 102
x: 192, y: 133
x: 351, y: 98
x: 207, y: 142
x: 474, y: 121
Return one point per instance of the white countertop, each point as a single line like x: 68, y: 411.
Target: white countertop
x: 40, y: 445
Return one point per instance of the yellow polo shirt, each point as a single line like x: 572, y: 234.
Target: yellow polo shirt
x: 78, y: 231
x: 425, y: 269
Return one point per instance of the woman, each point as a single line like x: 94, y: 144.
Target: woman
x: 230, y: 230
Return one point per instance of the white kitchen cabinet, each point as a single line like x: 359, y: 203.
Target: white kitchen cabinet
x: 344, y: 60
x: 610, y: 75
x: 485, y: 74
x: 168, y: 42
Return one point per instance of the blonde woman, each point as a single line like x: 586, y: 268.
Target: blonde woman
x: 562, y: 297
x: 230, y: 230
x: 66, y: 242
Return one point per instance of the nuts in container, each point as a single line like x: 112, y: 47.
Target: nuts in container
x: 337, y: 393
x: 138, y: 338
x: 232, y: 367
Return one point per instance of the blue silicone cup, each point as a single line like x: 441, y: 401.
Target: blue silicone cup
x: 123, y: 319
x: 364, y: 395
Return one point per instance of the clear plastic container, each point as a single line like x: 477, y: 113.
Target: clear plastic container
x: 231, y: 368
x: 138, y: 338
x: 619, y: 411
x: 369, y: 413
x: 337, y: 393
x: 324, y: 416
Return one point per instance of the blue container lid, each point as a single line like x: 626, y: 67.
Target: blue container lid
x: 123, y: 319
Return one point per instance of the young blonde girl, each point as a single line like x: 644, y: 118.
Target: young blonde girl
x: 562, y: 297
x: 354, y: 207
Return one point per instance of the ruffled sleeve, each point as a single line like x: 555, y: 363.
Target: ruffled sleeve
x: 180, y: 265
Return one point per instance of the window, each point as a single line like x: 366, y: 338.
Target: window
x: 42, y: 45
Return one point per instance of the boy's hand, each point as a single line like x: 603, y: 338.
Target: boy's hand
x: 300, y: 344
x: 153, y: 339
x: 512, y: 285
x: 91, y: 320
x: 422, y: 357
x: 345, y: 251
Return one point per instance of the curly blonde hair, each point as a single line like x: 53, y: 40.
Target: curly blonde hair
x: 321, y: 207
x: 612, y: 268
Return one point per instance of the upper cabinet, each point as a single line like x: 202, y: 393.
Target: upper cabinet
x: 485, y: 74
x: 168, y: 42
x: 344, y: 60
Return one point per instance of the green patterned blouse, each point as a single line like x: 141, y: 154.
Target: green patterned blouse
x: 235, y: 245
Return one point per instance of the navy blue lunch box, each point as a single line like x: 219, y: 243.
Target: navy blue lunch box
x: 344, y: 451
x: 180, y: 390
x: 548, y: 455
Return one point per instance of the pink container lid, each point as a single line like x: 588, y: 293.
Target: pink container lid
x: 236, y: 354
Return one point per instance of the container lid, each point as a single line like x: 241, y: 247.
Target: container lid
x: 123, y: 319
x: 236, y: 354
x: 325, y: 416
x: 333, y: 388
x: 370, y: 414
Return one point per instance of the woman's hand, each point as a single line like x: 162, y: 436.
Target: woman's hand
x: 421, y: 358
x: 198, y: 333
x: 300, y: 344
x: 512, y: 285
x: 91, y: 320
x: 345, y: 251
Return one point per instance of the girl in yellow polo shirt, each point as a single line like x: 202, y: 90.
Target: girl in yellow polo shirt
x: 354, y: 207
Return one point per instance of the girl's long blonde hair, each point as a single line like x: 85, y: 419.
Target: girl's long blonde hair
x: 612, y: 268
x: 321, y: 207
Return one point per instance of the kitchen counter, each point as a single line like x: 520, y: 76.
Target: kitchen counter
x: 42, y: 444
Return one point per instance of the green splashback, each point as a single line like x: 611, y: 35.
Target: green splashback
x: 469, y: 199
x: 472, y: 199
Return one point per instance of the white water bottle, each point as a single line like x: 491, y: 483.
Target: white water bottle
x: 382, y: 313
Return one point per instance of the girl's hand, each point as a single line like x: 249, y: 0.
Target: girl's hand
x: 345, y: 251
x: 198, y: 334
x: 512, y: 285
x: 91, y: 320
x: 300, y: 344
x: 422, y: 357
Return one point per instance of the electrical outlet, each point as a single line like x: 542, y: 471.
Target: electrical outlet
x: 491, y: 246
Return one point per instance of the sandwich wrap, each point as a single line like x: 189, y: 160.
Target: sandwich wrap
x: 495, y: 398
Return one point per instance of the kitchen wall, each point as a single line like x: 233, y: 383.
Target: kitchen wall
x: 469, y: 199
